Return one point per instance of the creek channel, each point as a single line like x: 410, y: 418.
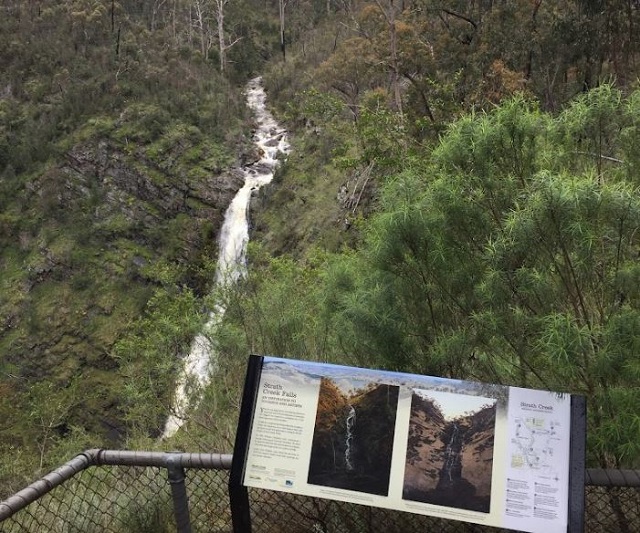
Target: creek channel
x: 271, y: 141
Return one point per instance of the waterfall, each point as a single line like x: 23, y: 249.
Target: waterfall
x: 351, y: 422
x: 271, y: 141
x: 449, y: 453
x: 452, y: 456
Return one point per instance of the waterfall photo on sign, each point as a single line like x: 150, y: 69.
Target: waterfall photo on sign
x: 450, y: 450
x: 353, y: 435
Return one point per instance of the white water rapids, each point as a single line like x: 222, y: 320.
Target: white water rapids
x: 271, y: 140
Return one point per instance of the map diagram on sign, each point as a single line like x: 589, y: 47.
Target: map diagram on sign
x: 534, y: 446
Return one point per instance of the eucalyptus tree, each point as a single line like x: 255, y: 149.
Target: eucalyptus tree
x: 224, y: 43
x: 282, y: 6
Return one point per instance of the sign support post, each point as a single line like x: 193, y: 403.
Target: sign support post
x: 577, y: 464
x: 238, y: 494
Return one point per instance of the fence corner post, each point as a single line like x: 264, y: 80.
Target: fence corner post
x: 176, y: 476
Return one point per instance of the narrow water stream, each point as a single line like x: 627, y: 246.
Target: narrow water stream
x: 451, y: 472
x: 351, y: 422
x: 271, y: 141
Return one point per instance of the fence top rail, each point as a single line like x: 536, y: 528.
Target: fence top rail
x: 216, y: 461
x: 611, y: 477
x: 98, y: 457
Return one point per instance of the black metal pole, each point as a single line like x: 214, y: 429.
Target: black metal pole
x: 178, y: 493
x: 238, y: 494
x: 577, y: 463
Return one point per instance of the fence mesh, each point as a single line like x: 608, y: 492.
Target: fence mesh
x: 280, y: 512
x: 128, y: 499
x: 613, y: 509
x: 100, y: 499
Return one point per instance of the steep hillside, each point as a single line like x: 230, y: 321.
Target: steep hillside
x: 118, y: 143
x: 460, y: 200
x: 366, y: 84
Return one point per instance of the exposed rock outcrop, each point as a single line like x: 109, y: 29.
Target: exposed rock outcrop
x: 139, y: 189
x: 353, y: 437
x: 449, y: 462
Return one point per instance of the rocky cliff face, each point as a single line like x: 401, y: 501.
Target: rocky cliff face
x: 353, y: 438
x: 373, y: 435
x: 329, y: 441
x: 94, y: 235
x: 425, y: 445
x: 125, y: 212
x: 142, y: 191
x: 477, y: 451
x: 449, y: 462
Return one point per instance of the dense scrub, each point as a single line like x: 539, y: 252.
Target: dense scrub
x: 506, y: 254
x: 460, y: 200
x: 117, y: 140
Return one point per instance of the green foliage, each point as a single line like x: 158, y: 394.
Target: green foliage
x: 142, y: 123
x: 503, y: 143
x: 630, y: 136
x: 275, y: 306
x: 504, y: 257
x: 109, y: 129
x: 506, y: 254
x: 149, y: 356
x: 155, y: 516
x: 591, y: 125
x: 381, y: 133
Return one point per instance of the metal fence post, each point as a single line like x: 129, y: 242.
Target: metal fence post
x: 178, y: 492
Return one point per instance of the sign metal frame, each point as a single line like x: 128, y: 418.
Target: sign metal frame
x: 254, y: 396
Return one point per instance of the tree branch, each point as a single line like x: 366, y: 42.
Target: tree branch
x: 461, y: 17
x: 605, y: 157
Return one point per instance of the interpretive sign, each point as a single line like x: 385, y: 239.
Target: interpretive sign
x: 482, y: 453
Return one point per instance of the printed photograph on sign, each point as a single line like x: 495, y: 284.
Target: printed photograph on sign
x: 353, y: 435
x: 450, y: 446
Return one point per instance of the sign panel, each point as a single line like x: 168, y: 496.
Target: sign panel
x: 480, y: 453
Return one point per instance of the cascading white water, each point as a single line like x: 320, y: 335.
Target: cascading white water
x: 271, y: 140
x: 450, y: 453
x: 351, y: 422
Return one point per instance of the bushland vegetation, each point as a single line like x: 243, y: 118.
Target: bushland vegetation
x: 116, y: 133
x: 505, y: 254
x: 459, y: 203
x: 461, y: 200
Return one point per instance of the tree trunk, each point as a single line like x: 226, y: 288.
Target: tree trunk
x: 281, y: 6
x: 221, y: 40
x: 201, y: 29
x: 395, y: 81
x: 389, y: 12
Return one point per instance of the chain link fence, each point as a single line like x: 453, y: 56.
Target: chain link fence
x: 129, y: 492
x: 105, y: 499
x: 613, y: 501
